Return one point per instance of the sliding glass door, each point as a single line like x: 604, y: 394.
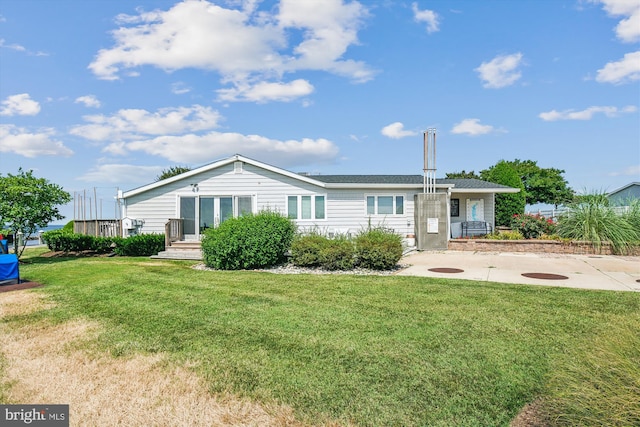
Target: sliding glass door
x: 210, y: 211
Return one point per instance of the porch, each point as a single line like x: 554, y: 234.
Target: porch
x: 175, y: 245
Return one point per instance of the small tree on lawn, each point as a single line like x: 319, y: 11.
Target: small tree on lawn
x: 28, y: 203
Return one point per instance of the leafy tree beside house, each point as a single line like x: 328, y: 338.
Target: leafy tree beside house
x: 543, y: 185
x: 509, y: 204
x: 28, y: 203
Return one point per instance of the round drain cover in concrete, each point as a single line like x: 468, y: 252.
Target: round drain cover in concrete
x: 446, y: 270
x: 545, y: 276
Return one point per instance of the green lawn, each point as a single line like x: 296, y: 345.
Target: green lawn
x: 370, y: 350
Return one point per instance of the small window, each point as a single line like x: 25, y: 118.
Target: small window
x: 319, y: 208
x: 237, y: 167
x: 455, y: 207
x: 292, y: 207
x: 385, y: 205
x: 371, y: 205
x: 399, y: 205
x: 306, y: 207
x: 244, y: 205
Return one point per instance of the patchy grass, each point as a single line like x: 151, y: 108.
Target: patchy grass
x: 365, y: 350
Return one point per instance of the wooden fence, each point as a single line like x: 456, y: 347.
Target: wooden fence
x: 98, y: 227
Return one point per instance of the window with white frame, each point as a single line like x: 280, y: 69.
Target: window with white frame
x: 385, y: 205
x: 306, y: 207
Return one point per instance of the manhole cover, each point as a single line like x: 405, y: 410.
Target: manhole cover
x: 545, y: 276
x: 446, y: 270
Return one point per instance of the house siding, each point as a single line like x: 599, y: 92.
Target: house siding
x: 345, y: 209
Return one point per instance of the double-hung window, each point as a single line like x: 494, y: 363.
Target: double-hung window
x: 385, y: 205
x: 306, y: 207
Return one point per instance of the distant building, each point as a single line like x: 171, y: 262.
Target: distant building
x: 623, y: 195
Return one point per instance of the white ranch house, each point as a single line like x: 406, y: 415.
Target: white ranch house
x: 206, y: 196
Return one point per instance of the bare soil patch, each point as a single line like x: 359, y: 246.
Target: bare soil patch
x: 47, y: 364
x: 532, y: 415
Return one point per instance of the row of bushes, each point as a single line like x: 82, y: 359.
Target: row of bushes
x: 265, y: 239
x: 376, y: 248
x: 140, y: 245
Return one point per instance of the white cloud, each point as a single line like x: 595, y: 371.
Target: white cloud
x: 624, y: 71
x: 213, y: 145
x: 180, y: 88
x: 427, y: 16
x: 265, y: 91
x: 121, y: 173
x: 21, y: 105
x: 17, y: 47
x: 20, y: 141
x: 396, y: 131
x: 586, y: 114
x: 132, y: 123
x: 245, y: 46
x: 472, y: 127
x: 628, y: 29
x: 501, y: 71
x: 88, y: 101
x: 630, y: 171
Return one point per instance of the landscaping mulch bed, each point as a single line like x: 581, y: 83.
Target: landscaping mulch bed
x: 19, y: 286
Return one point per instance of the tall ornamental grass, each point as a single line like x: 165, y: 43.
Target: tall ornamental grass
x: 593, y: 220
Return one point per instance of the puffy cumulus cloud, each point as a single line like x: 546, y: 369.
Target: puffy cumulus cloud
x: 586, y: 114
x: 501, y: 71
x: 628, y: 29
x: 427, y: 16
x: 121, y: 173
x: 396, y: 131
x: 131, y: 123
x: 265, y: 91
x: 244, y: 45
x: 28, y: 144
x: 89, y: 101
x: 19, y: 105
x: 208, y: 147
x: 472, y: 127
x: 624, y: 71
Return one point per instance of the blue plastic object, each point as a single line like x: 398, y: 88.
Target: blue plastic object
x: 4, y: 246
x: 9, y: 268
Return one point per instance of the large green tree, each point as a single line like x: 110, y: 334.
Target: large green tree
x: 543, y: 185
x: 507, y: 204
x: 28, y: 203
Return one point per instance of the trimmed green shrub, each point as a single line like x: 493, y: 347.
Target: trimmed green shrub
x: 306, y: 249
x: 338, y: 254
x: 61, y: 240
x: 505, y: 235
x: 378, y: 249
x: 68, y: 227
x: 140, y: 245
x: 532, y: 226
x: 251, y: 241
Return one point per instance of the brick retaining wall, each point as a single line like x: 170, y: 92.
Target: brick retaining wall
x: 538, y: 246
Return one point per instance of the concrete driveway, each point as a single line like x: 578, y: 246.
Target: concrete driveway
x: 605, y: 272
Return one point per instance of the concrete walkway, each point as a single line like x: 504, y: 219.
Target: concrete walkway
x: 605, y: 272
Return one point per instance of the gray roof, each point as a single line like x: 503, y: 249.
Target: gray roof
x: 403, y: 179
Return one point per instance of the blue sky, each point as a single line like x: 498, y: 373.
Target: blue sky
x: 107, y: 94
